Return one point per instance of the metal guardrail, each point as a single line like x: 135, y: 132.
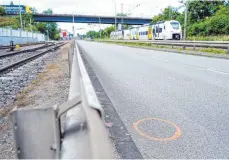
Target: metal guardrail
x: 186, y: 41
x: 92, y: 140
x: 38, y: 131
x: 183, y: 44
x: 178, y: 41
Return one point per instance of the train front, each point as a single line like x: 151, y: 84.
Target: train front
x: 176, y: 30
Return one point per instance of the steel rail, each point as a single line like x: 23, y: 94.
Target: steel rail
x: 25, y: 50
x: 20, y: 62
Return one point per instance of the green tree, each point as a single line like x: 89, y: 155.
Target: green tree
x: 2, y: 11
x: 199, y: 10
x: 34, y: 10
x: 168, y: 13
x: 49, y: 28
x: 48, y: 11
x: 108, y: 30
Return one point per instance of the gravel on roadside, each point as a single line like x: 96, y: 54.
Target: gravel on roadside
x: 49, y: 88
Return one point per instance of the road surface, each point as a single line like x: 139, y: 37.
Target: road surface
x: 173, y: 105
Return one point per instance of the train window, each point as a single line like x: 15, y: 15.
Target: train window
x: 156, y: 29
x: 146, y: 32
x: 175, y: 25
x: 164, y: 27
x: 153, y: 30
x: 160, y: 30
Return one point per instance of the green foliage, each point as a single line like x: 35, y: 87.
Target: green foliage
x: 2, y: 11
x: 200, y: 10
x: 108, y: 30
x: 48, y: 11
x: 34, y: 10
x: 217, y: 24
x: 168, y: 13
x: 6, y: 21
x: 205, y: 17
x: 49, y: 28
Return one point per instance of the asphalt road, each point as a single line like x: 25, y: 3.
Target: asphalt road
x: 185, y: 97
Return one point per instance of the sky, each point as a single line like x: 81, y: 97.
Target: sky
x: 147, y: 8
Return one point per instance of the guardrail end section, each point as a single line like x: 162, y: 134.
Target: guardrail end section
x: 36, y: 133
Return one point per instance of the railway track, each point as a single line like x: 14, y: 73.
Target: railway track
x: 14, y: 59
x: 19, y: 70
x: 21, y: 45
x: 30, y: 49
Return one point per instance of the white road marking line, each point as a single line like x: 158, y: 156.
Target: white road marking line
x: 201, y: 68
x: 212, y: 70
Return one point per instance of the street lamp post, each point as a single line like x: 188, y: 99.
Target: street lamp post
x: 73, y: 22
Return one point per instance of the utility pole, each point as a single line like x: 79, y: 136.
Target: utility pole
x: 24, y: 24
x: 121, y: 14
x: 99, y: 27
x: 20, y: 14
x: 73, y: 29
x: 169, y: 13
x: 185, y: 19
x: 115, y: 15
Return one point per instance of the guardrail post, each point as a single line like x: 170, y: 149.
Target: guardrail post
x: 228, y: 50
x: 194, y: 47
x: 184, y: 46
x: 70, y: 57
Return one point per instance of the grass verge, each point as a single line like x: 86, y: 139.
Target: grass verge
x: 149, y: 45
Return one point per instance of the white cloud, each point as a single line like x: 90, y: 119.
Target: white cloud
x: 147, y: 8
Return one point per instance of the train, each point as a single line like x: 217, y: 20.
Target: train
x: 162, y: 30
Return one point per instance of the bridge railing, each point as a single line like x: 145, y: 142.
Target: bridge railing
x: 45, y: 132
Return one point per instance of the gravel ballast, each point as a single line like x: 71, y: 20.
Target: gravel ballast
x: 40, y: 83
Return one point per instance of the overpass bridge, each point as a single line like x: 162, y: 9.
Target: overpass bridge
x: 68, y: 18
x: 90, y: 19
